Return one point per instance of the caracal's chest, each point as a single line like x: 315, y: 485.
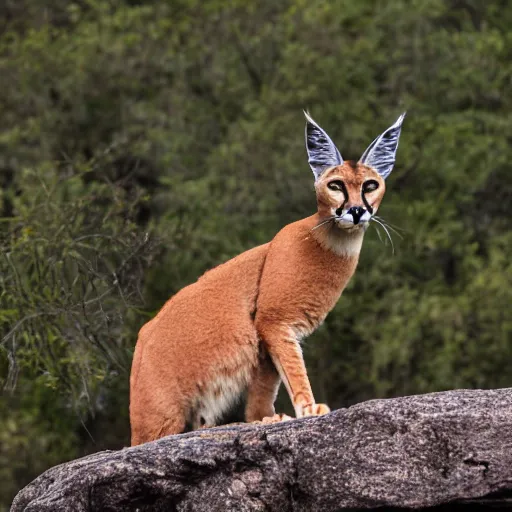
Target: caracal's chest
x: 302, y: 278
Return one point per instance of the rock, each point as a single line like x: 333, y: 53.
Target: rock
x: 421, y: 451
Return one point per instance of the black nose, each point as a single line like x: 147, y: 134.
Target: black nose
x: 357, y: 212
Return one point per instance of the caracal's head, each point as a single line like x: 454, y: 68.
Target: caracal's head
x: 349, y: 193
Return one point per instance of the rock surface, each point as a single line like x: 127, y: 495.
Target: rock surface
x: 421, y: 451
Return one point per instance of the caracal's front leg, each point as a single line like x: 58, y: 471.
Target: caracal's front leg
x: 262, y: 393
x: 286, y: 354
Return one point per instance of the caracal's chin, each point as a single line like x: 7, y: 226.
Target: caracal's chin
x: 350, y: 227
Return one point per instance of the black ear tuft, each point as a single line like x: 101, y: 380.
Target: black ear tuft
x: 322, y: 153
x: 381, y: 153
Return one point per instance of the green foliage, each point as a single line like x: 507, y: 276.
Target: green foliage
x: 36, y: 431
x: 183, y: 119
x: 71, y: 268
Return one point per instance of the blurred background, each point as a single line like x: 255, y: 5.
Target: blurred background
x: 143, y: 142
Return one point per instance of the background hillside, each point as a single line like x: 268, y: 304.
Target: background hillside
x: 142, y: 143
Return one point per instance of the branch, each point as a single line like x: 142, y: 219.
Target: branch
x: 416, y: 452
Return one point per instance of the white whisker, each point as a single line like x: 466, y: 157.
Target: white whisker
x: 378, y: 234
x: 330, y: 219
x: 387, y: 233
x: 399, y: 235
x: 396, y: 228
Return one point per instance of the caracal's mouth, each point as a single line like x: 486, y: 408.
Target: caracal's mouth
x: 348, y: 221
x: 348, y: 225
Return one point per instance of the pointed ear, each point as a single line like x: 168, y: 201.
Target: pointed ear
x: 382, y: 151
x: 322, y: 153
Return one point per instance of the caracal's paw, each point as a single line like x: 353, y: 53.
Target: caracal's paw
x: 276, y: 418
x: 315, y: 410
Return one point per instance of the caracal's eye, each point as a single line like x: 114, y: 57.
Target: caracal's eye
x: 370, y: 186
x: 336, y: 185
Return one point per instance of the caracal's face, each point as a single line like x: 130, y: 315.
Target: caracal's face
x: 350, y: 194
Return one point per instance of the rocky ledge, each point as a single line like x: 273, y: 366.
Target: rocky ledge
x: 449, y: 450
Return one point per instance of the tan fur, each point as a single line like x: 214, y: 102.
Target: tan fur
x: 239, y: 326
